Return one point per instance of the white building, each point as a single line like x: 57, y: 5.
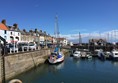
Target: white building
x: 14, y: 36
x: 63, y: 41
x: 71, y: 43
x: 11, y: 34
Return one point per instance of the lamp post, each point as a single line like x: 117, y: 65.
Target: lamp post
x: 14, y: 42
x: 37, y: 38
x: 38, y: 41
x: 45, y: 39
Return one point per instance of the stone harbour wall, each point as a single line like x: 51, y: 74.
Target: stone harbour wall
x: 19, y: 63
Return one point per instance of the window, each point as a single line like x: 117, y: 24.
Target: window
x: 116, y: 53
x: 5, y: 32
x: 5, y: 37
x: 11, y: 33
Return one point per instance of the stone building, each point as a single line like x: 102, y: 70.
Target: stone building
x: 97, y: 41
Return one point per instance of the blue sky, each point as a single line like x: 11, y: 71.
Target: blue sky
x: 74, y: 16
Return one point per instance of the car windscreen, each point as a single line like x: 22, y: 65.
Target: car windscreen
x: 31, y: 44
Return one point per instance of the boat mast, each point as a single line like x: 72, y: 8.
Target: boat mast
x: 57, y: 30
x: 80, y: 39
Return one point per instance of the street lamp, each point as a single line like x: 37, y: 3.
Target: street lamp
x: 14, y: 42
x: 38, y: 43
x: 45, y: 38
x: 37, y: 38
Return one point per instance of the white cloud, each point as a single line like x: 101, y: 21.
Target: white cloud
x: 79, y: 30
x: 109, y: 35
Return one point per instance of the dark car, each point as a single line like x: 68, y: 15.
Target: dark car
x: 12, y: 47
x: 23, y: 46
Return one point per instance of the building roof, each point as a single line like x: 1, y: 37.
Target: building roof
x: 11, y: 28
x: 61, y: 39
x: 3, y: 27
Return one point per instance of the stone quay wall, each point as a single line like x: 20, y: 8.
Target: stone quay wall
x: 21, y: 62
x: 18, y: 63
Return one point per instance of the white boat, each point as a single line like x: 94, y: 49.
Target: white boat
x: 84, y: 54
x: 77, y: 54
x: 56, y: 58
x: 114, y: 54
x: 107, y: 54
x: 101, y: 54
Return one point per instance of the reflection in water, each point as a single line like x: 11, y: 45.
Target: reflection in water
x: 115, y: 63
x: 56, y: 67
x: 73, y: 71
x: 76, y: 60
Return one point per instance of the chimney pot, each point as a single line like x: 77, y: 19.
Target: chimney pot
x: 4, y: 21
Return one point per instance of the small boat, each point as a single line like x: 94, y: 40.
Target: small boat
x: 101, y: 54
x: 108, y: 55
x: 83, y: 54
x: 77, y: 54
x: 89, y: 56
x: 114, y: 55
x: 56, y: 58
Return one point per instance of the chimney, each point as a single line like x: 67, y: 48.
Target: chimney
x: 3, y: 21
x: 30, y: 31
x: 35, y: 30
x: 15, y: 26
x: 24, y: 30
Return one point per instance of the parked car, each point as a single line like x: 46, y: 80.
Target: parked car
x: 32, y: 46
x: 42, y: 45
x: 23, y: 46
x: 49, y: 45
x: 12, y: 47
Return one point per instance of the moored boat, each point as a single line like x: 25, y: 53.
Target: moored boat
x: 56, y: 58
x: 77, y: 54
x: 101, y: 54
x: 114, y: 55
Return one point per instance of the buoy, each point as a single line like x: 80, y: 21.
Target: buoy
x: 15, y: 81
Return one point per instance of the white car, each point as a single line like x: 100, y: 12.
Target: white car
x: 32, y: 46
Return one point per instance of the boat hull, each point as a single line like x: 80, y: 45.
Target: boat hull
x: 77, y: 54
x: 53, y: 60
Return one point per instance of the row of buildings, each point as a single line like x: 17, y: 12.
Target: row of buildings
x: 13, y: 34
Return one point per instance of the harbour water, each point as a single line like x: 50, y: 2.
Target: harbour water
x: 73, y: 71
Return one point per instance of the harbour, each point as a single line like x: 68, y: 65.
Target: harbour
x: 73, y: 71
x: 59, y: 41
